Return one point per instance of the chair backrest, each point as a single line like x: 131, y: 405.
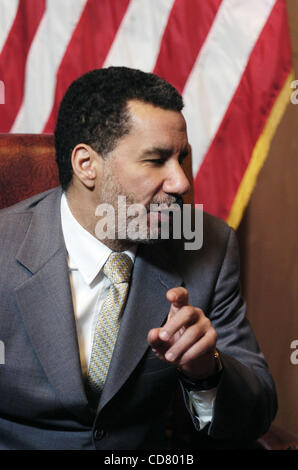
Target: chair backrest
x: 27, y: 166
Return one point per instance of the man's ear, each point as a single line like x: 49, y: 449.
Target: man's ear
x: 85, y: 162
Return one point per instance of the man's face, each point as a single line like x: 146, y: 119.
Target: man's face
x: 145, y: 167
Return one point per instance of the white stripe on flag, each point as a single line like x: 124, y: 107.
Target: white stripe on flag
x: 137, y: 41
x: 46, y: 53
x: 219, y: 68
x: 8, y: 10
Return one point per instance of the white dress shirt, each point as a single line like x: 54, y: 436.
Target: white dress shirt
x: 86, y: 258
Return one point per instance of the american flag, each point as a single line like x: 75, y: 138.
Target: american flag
x: 230, y: 59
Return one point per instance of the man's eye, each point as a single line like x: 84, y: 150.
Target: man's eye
x: 156, y: 161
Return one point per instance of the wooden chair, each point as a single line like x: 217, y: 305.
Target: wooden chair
x: 27, y: 167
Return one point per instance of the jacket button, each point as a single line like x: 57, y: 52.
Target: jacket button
x: 98, y: 434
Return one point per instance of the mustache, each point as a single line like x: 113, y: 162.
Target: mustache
x: 166, y: 203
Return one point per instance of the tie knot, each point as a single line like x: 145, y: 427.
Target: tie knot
x: 118, y: 267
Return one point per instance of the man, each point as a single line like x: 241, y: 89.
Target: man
x: 91, y: 361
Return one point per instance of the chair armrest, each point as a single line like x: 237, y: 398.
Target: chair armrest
x: 278, y: 439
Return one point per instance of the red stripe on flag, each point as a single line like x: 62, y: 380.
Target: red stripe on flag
x: 183, y: 39
x: 98, y: 24
x: 226, y: 161
x: 13, y: 58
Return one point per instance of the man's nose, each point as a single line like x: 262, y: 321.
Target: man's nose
x: 176, y: 181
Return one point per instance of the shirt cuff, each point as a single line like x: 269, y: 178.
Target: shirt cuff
x: 201, y: 405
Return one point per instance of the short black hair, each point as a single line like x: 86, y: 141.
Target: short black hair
x: 94, y: 110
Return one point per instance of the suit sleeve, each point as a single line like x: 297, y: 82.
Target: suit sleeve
x: 246, y: 401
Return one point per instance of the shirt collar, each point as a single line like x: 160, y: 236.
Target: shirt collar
x: 86, y: 253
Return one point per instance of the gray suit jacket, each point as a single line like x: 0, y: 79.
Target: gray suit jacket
x: 43, y: 403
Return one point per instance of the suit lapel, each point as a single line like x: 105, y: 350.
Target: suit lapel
x: 45, y: 302
x: 146, y: 308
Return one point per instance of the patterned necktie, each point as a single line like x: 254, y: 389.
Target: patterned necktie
x: 117, y: 269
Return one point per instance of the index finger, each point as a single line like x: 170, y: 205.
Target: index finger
x: 178, y: 296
